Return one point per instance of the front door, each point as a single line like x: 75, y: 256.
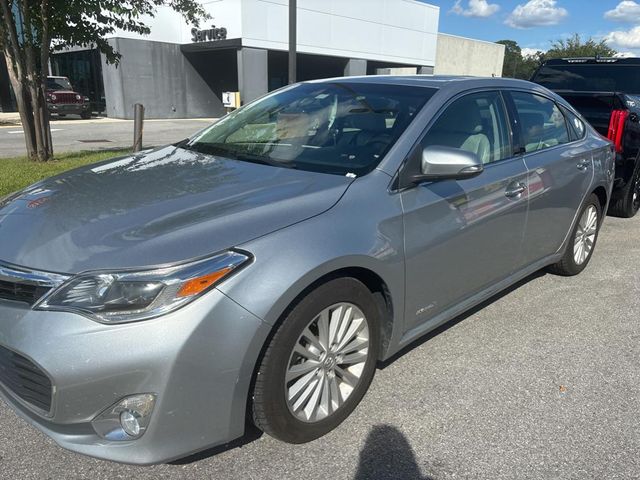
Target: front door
x: 463, y: 236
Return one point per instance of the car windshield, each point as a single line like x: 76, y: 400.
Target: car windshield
x: 58, y: 84
x: 339, y: 128
x: 590, y: 78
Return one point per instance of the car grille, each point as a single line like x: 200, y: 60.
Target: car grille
x: 21, y: 292
x: 21, y: 284
x: 25, y: 379
x: 67, y: 98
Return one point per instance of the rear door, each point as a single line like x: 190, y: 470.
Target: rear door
x: 462, y: 236
x: 560, y: 167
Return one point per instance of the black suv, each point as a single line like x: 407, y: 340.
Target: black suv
x: 606, y: 91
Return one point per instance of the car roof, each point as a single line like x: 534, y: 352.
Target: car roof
x: 450, y: 85
x: 432, y: 81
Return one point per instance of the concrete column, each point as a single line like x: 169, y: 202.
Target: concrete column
x: 425, y: 70
x: 355, y: 67
x: 253, y: 73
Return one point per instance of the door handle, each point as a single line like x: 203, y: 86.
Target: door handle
x: 515, y: 190
x: 583, y: 165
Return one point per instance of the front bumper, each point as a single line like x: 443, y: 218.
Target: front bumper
x: 198, y: 361
x: 70, y: 108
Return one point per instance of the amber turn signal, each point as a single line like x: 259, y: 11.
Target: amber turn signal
x: 199, y: 284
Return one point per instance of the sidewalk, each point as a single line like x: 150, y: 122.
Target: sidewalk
x: 9, y: 118
x: 12, y: 119
x: 74, y: 134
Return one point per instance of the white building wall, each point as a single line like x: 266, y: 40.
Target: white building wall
x: 465, y: 56
x: 399, y: 31
x: 169, y: 26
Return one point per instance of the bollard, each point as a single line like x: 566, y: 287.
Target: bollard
x: 138, y: 126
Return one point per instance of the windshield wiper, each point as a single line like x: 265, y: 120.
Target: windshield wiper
x: 217, y: 149
x: 248, y: 157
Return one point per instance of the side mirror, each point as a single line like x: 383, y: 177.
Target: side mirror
x: 440, y: 163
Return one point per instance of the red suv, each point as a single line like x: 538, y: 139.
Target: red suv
x: 62, y: 100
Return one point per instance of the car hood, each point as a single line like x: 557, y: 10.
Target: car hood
x: 158, y: 207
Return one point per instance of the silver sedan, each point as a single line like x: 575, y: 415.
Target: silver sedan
x: 265, y: 266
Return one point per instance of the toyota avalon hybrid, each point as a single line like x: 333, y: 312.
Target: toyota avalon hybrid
x: 153, y: 305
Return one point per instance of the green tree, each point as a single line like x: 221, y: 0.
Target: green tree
x: 574, y: 46
x: 30, y: 30
x: 512, y: 58
x: 516, y: 65
x: 530, y: 64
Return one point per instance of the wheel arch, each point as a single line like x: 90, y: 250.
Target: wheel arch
x: 374, y: 283
x: 372, y: 279
x: 378, y: 288
x: 601, y: 193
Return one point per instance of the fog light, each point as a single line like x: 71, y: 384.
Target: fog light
x: 126, y: 420
x: 130, y: 423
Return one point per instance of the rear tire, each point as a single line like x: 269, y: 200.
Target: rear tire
x: 583, y: 240
x: 336, y: 377
x: 628, y: 202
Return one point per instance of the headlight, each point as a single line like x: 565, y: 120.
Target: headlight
x: 54, y: 97
x: 119, y: 297
x: 78, y: 97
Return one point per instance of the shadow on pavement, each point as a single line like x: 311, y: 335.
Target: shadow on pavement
x: 387, y: 455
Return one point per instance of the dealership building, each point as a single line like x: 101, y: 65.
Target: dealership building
x: 179, y: 71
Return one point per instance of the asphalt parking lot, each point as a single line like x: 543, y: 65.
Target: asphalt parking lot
x: 542, y: 382
x: 75, y: 134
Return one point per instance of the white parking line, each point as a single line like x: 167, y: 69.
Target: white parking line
x: 53, y: 130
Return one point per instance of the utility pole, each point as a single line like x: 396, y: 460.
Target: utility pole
x: 293, y: 27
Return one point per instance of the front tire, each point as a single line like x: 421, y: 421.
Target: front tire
x: 319, y: 364
x: 85, y: 115
x: 582, y: 241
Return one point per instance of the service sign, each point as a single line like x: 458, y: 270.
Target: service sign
x: 208, y: 35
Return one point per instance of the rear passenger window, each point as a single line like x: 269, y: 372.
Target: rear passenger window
x: 542, y: 124
x: 577, y: 128
x: 476, y: 123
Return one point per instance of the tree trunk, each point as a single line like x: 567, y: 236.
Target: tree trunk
x: 45, y: 46
x: 27, y: 77
x: 34, y: 81
x: 22, y: 102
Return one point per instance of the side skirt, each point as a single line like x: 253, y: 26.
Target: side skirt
x: 469, y: 303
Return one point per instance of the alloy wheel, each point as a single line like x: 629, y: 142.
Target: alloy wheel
x: 327, y: 362
x: 585, y: 235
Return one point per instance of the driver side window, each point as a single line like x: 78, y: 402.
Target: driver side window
x: 476, y: 123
